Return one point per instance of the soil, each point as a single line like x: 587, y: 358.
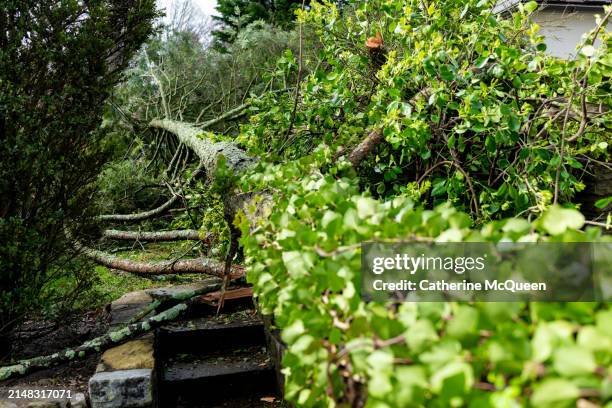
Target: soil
x: 41, y: 337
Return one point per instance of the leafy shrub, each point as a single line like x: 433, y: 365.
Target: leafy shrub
x: 472, y: 108
x: 304, y: 262
x: 58, y: 64
x: 125, y: 186
x: 464, y: 94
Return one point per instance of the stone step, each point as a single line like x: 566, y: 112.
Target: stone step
x: 188, y: 380
x: 202, y: 335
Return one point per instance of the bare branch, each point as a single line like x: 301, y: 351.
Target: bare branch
x: 105, y: 341
x: 140, y: 216
x: 199, y: 265
x: 158, y: 236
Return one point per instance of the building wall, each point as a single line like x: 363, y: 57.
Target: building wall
x: 564, y: 29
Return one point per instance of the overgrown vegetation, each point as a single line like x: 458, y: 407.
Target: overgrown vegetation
x: 236, y: 15
x: 468, y: 101
x: 403, y: 120
x: 58, y: 64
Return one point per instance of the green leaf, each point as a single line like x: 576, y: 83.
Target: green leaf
x: 557, y: 220
x: 571, y: 361
x: 555, y: 393
x: 514, y: 123
x: 422, y: 333
x: 366, y: 207
x: 464, y: 323
x: 603, y: 203
x: 481, y: 62
x: 297, y: 262
x: 453, y: 379
x: 490, y: 144
x: 516, y: 225
x: 447, y: 73
x: 530, y: 7
x: 590, y: 338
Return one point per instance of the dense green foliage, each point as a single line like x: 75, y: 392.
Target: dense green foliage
x: 473, y: 110
x: 236, y: 15
x: 304, y: 262
x: 58, y: 64
x: 178, y: 76
x: 478, y: 124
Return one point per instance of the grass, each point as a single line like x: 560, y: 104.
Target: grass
x: 109, y: 286
x: 92, y: 289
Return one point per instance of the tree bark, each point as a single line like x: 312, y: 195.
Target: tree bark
x: 198, y: 265
x: 365, y: 147
x: 236, y: 159
x: 158, y: 236
x: 107, y: 340
x: 140, y: 216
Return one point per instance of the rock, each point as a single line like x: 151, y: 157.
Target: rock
x: 7, y: 404
x: 128, y: 356
x: 128, y: 306
x: 78, y: 401
x: 122, y: 389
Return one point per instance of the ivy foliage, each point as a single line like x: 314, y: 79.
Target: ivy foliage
x: 466, y: 95
x: 476, y: 118
x: 304, y: 262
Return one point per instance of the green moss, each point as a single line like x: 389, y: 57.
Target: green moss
x: 119, y: 335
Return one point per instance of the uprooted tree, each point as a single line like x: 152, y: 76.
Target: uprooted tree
x: 461, y: 121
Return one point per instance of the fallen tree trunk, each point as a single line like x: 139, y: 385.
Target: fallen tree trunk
x: 158, y: 236
x: 209, y: 152
x: 140, y: 216
x: 199, y: 265
x: 107, y: 340
x: 236, y: 161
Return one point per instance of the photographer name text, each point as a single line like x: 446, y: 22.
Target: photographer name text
x: 508, y: 285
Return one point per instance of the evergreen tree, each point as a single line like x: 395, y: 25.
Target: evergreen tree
x: 58, y: 64
x: 234, y: 15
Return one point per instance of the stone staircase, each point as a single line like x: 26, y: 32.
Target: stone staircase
x: 202, y: 360
x: 216, y: 361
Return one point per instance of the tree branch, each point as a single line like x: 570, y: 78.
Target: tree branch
x: 107, y: 340
x: 198, y: 265
x: 158, y: 236
x: 140, y: 216
x: 365, y: 147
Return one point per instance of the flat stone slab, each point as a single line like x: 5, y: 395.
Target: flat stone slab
x: 128, y: 356
x: 128, y: 306
x: 122, y: 389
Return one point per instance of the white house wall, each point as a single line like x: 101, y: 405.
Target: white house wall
x: 564, y: 29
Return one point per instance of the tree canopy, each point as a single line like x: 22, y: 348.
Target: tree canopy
x: 235, y: 15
